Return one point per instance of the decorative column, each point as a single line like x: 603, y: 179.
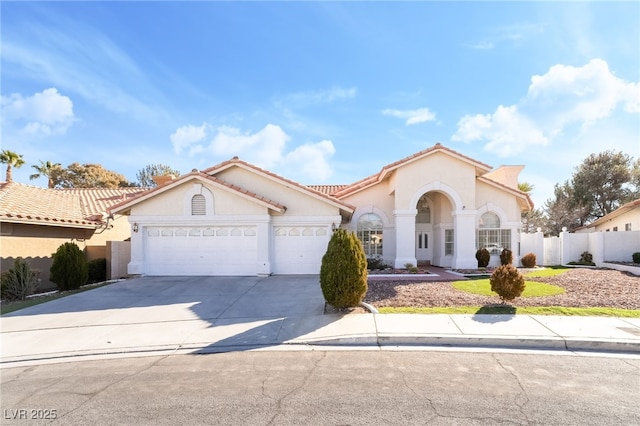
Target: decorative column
x: 464, y: 239
x: 405, y: 237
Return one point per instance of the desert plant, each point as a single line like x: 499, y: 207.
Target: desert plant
x: 97, y: 270
x: 586, y: 257
x: 409, y: 267
x: 483, y: 257
x: 69, y: 269
x: 19, y: 282
x: 528, y: 260
x: 507, y: 282
x: 506, y: 257
x: 343, y: 272
x: 636, y: 257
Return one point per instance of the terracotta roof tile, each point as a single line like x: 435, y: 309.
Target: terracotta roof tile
x: 69, y: 207
x: 327, y: 189
x: 370, y: 180
x: 236, y: 161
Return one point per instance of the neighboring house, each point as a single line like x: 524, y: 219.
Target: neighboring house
x: 435, y: 206
x: 35, y: 221
x: 624, y: 218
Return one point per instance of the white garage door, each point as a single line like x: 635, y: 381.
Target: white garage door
x: 299, y: 249
x: 217, y: 250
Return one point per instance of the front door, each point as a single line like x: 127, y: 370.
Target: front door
x: 423, y: 246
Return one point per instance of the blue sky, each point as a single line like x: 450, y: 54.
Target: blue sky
x: 325, y: 92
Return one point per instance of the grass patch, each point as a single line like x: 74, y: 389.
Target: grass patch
x: 507, y: 309
x: 483, y: 287
x: 7, y: 307
x: 548, y: 272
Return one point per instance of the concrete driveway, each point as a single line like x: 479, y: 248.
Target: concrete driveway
x: 147, y: 314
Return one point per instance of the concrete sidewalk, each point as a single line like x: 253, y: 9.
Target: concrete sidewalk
x: 153, y: 315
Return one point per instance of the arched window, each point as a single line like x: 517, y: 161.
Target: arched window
x: 489, y: 220
x: 198, y: 205
x: 491, y: 236
x: 369, y: 231
x: 424, y: 211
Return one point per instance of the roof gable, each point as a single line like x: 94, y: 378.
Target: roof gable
x: 480, y: 167
x: 195, y: 175
x: 308, y: 190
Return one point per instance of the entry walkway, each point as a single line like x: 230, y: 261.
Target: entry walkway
x: 155, y: 315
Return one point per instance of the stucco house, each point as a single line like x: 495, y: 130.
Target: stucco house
x: 436, y: 206
x: 624, y: 218
x: 35, y: 221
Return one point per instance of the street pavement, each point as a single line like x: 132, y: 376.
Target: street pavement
x: 155, y: 315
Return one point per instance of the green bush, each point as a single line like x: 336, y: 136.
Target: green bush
x: 507, y: 282
x: 343, y: 272
x: 19, y: 282
x: 506, y: 257
x: 483, y: 257
x: 69, y: 269
x: 376, y: 262
x: 528, y: 260
x: 636, y: 257
x: 586, y: 258
x: 97, y: 270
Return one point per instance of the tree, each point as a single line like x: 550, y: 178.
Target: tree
x: 601, y: 183
x: 11, y: 159
x: 78, y: 175
x: 526, y: 187
x: 562, y: 211
x: 343, y: 272
x: 532, y: 220
x: 145, y: 176
x: 47, y: 170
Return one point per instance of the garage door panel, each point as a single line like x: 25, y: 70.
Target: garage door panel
x: 225, y: 250
x: 299, y: 249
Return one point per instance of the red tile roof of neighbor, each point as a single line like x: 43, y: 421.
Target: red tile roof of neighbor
x: 327, y: 189
x: 81, y: 208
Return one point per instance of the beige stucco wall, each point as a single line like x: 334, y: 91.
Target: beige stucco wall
x: 36, y: 244
x: 297, y: 203
x: 172, y: 202
x: 632, y: 217
x: 455, y: 173
x: 495, y: 198
x: 378, y: 196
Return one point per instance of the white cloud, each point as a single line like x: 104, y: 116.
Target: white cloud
x: 314, y: 159
x: 564, y: 96
x: 188, y: 137
x: 316, y: 97
x: 412, y: 116
x: 45, y: 113
x: 265, y: 148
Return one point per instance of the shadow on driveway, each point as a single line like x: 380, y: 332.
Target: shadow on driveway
x: 198, y: 314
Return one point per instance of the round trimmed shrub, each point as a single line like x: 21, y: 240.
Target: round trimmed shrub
x: 507, y: 282
x: 343, y: 273
x: 636, y: 257
x: 483, y: 257
x: 506, y: 257
x: 528, y: 260
x: 69, y: 269
x: 97, y: 270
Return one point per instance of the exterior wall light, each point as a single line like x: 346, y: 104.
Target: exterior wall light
x: 135, y: 227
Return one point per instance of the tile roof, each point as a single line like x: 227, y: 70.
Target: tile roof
x: 80, y: 208
x: 370, y: 180
x: 327, y: 189
x: 124, y: 204
x: 309, y: 189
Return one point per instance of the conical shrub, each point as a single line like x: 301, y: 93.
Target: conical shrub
x: 343, y: 273
x: 69, y: 269
x: 483, y: 257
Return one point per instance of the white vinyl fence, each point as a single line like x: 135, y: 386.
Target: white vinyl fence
x: 603, y: 246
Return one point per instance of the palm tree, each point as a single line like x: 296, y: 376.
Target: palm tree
x: 45, y: 169
x: 11, y: 159
x: 525, y: 187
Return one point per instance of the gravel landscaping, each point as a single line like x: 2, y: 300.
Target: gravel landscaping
x: 584, y: 288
